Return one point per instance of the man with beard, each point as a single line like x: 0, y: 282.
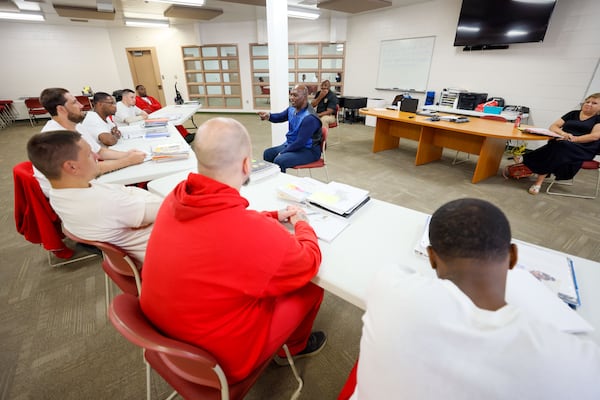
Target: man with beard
x: 66, y: 113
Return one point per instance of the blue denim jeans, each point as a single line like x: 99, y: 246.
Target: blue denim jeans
x: 293, y: 158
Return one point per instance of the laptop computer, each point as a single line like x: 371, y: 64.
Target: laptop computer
x: 409, y: 105
x: 396, y: 102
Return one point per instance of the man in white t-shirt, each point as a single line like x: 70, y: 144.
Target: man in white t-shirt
x: 117, y: 214
x: 67, y: 113
x: 99, y: 124
x: 454, y: 336
x: 127, y: 111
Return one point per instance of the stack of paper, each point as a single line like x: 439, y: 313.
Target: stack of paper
x: 158, y: 131
x: 540, y: 131
x: 262, y: 169
x: 154, y: 122
x: 170, y: 151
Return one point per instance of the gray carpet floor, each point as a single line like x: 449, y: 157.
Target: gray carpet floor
x: 55, y: 339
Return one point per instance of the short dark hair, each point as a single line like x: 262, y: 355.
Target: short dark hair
x: 49, y: 150
x: 138, y: 86
x: 470, y: 228
x: 100, y: 96
x: 52, y: 98
x: 124, y: 91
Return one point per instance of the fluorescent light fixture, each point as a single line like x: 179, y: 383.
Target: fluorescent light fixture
x: 303, y: 13
x: 463, y: 28
x: 27, y: 5
x: 191, y: 3
x: 23, y: 16
x: 516, y: 32
x: 147, y: 23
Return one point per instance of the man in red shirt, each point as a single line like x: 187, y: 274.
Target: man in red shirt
x: 145, y: 102
x: 239, y: 285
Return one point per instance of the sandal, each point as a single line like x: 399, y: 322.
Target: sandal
x: 534, y: 189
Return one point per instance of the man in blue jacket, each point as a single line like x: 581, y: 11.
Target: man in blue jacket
x: 303, y: 140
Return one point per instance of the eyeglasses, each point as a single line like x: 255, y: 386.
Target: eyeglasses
x: 108, y: 102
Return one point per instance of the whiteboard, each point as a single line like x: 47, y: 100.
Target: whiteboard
x: 404, y: 64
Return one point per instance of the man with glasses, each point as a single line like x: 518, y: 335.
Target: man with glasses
x: 99, y: 124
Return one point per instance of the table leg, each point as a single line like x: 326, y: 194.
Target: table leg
x: 427, y: 151
x: 489, y: 159
x: 382, y: 140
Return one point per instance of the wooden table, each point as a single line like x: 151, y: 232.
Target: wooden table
x: 485, y: 138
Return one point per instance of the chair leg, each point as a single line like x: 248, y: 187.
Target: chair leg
x: 570, y: 183
x: 148, y: 379
x: 456, y: 161
x: 107, y: 293
x: 296, y: 394
x: 58, y: 264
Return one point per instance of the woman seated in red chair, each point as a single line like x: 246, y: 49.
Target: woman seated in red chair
x: 579, y: 142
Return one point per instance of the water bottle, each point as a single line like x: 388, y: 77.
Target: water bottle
x: 518, y: 121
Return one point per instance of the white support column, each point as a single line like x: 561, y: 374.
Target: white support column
x: 277, y: 34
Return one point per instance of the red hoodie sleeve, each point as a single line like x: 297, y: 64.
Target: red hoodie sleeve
x: 300, y: 264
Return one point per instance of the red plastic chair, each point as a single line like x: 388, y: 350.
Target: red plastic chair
x: 193, y: 372
x: 85, y: 102
x: 117, y: 265
x: 320, y: 163
x: 34, y: 107
x: 335, y: 123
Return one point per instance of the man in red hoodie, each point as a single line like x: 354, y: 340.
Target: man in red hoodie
x: 231, y: 280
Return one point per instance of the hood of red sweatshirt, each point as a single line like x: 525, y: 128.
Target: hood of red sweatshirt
x: 199, y: 195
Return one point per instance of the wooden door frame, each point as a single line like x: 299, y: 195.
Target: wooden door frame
x: 155, y: 65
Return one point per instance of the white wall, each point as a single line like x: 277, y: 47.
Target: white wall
x: 36, y: 56
x: 550, y: 77
x: 167, y: 43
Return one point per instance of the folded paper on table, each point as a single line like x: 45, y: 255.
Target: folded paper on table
x: 540, y: 131
x: 132, y: 131
x: 326, y: 226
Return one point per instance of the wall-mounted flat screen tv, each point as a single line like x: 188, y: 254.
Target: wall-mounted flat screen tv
x: 501, y: 22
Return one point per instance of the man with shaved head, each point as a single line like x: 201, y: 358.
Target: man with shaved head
x: 231, y: 280
x: 303, y: 140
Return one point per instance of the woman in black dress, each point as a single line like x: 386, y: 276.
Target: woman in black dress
x: 579, y: 142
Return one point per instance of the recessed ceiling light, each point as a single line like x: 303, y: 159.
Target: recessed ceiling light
x: 147, y: 23
x: 23, y: 16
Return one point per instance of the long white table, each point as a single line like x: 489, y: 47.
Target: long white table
x: 177, y: 114
x: 149, y: 170
x: 380, y: 233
